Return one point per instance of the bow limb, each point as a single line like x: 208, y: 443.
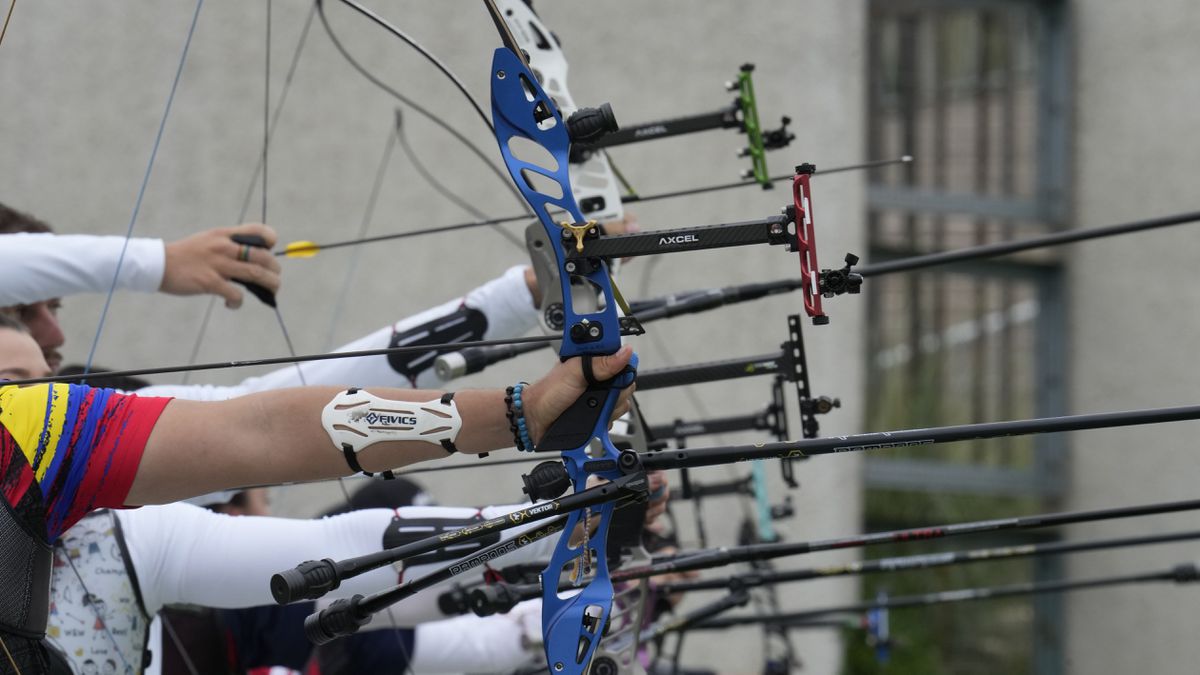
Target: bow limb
x: 593, y: 180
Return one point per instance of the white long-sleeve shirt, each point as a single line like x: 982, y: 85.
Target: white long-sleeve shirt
x: 505, y: 301
x: 114, y: 570
x: 37, y: 267
x: 472, y: 644
x: 190, y: 555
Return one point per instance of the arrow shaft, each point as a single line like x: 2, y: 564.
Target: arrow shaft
x: 1005, y: 248
x: 1180, y: 574
x: 279, y: 360
x: 927, y: 561
x: 698, y: 457
x: 718, y: 557
x: 629, y: 199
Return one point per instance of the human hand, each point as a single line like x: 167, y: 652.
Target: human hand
x: 660, y: 492
x: 552, y: 395
x: 208, y: 261
x: 628, y: 224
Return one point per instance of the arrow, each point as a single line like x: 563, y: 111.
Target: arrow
x: 1182, y: 573
x: 308, y: 249
x: 923, y: 561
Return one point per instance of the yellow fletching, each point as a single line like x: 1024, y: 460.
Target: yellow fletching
x: 301, y: 249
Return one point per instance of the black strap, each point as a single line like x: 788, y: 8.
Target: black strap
x: 464, y: 323
x: 26, y: 564
x: 59, y: 665
x: 587, y: 370
x: 352, y: 460
x: 352, y: 457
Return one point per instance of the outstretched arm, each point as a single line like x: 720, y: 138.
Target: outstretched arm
x: 37, y: 267
x: 473, y: 644
x: 186, y: 554
x: 500, y: 308
x: 278, y: 437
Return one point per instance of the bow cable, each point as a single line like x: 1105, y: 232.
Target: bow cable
x: 301, y: 42
x: 7, y: 17
x: 137, y: 205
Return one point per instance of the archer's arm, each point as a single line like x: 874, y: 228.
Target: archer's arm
x: 500, y: 308
x: 186, y: 554
x: 37, y: 267
x: 277, y: 437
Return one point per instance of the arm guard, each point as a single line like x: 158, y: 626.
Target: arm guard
x: 356, y: 419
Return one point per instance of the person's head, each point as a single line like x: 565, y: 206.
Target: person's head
x: 20, y: 355
x: 384, y: 494
x: 249, y: 502
x: 40, y: 317
x: 13, y: 221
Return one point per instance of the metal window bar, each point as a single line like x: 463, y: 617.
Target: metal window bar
x: 958, y: 82
x: 977, y: 89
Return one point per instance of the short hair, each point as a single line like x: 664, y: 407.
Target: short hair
x: 13, y: 221
x: 10, y: 322
x: 384, y: 494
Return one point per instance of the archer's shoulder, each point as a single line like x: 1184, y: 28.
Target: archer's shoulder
x: 16, y: 399
x: 56, y: 404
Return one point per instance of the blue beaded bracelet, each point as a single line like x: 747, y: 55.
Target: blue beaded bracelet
x: 519, y: 410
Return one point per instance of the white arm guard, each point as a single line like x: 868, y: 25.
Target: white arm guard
x: 356, y: 419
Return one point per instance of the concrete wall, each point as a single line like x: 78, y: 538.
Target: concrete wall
x: 83, y: 88
x: 1133, y: 322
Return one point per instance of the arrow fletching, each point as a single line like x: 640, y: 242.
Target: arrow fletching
x: 300, y: 249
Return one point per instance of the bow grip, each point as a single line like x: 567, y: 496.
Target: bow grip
x: 588, y: 415
x: 265, y: 296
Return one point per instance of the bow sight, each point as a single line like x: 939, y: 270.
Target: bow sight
x: 585, y: 248
x: 741, y: 114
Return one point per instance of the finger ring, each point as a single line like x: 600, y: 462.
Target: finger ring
x: 244, y: 253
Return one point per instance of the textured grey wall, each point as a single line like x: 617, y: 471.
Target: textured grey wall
x: 83, y: 87
x: 1136, y: 155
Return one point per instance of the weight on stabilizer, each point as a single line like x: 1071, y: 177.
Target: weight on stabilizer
x: 307, y: 581
x: 587, y: 125
x: 548, y: 480
x: 340, y: 619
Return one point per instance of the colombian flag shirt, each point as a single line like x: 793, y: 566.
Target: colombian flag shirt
x: 67, y: 449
